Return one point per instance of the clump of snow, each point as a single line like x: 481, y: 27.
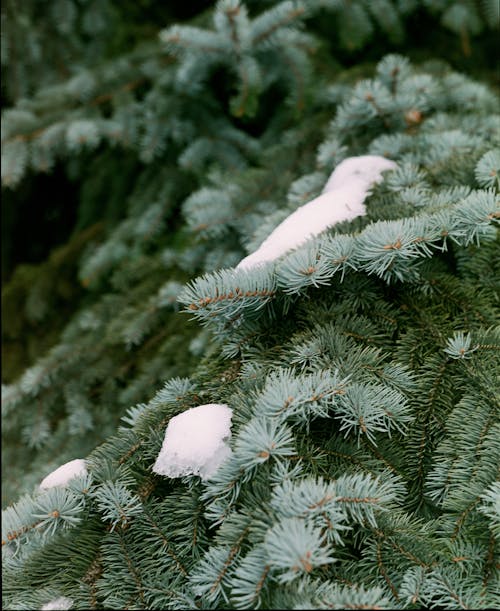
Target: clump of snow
x: 366, y: 169
x: 342, y: 199
x: 61, y: 603
x: 63, y: 474
x: 195, y: 442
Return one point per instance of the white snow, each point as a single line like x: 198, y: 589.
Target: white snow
x: 61, y: 603
x: 63, y: 474
x: 366, y: 169
x: 342, y: 199
x: 195, y: 442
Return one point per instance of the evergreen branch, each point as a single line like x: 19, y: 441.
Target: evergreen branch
x: 91, y: 578
x: 383, y: 572
x: 399, y: 548
x: 361, y: 379
x: 232, y: 552
x: 260, y: 583
x: 489, y: 565
x: 133, y: 449
x: 16, y: 534
x: 284, y: 14
x: 371, y: 448
x: 132, y: 569
x: 422, y: 448
x: 238, y: 294
x: 347, y: 457
x: 385, y: 120
x: 167, y: 544
x: 459, y: 522
x: 299, y: 80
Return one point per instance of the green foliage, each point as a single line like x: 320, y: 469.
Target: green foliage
x: 361, y: 366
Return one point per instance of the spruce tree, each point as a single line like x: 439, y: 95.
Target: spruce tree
x: 276, y: 383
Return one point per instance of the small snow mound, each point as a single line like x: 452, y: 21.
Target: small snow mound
x: 58, y: 604
x: 62, y: 475
x: 366, y: 169
x: 342, y: 200
x: 195, y: 442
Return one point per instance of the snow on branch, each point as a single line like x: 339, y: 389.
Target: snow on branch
x: 63, y: 474
x: 195, y: 442
x: 342, y: 199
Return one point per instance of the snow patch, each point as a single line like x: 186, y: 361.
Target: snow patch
x: 366, y: 169
x: 61, y: 603
x: 63, y: 474
x: 195, y: 442
x: 342, y: 199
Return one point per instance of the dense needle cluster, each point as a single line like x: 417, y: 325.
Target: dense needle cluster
x: 280, y: 390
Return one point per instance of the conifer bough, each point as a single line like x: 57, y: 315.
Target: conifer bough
x: 343, y: 403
